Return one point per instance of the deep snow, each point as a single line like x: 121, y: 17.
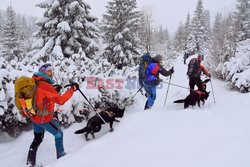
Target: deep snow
x: 215, y: 135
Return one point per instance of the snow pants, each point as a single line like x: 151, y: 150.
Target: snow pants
x: 193, y: 82
x: 52, y: 127
x: 151, y: 94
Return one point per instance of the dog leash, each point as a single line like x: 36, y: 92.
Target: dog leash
x: 177, y: 85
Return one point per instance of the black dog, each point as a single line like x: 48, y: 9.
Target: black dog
x: 196, y: 96
x: 94, y: 124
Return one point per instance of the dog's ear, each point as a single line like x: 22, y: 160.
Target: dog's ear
x: 207, y: 80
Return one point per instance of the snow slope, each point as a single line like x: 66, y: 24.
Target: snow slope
x: 215, y: 135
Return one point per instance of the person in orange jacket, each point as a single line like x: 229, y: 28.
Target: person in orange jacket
x: 45, y: 99
x: 195, y: 77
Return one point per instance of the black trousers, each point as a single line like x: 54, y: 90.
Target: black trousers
x: 193, y: 82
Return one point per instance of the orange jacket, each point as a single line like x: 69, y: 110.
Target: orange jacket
x: 46, y: 97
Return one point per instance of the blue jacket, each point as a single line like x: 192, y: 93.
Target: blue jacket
x: 153, y: 70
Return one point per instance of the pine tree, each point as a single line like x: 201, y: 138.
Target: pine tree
x: 207, y: 23
x: 223, y: 43
x: 179, y: 38
x: 187, y: 31
x: 10, y: 35
x: 217, y: 42
x: 67, y: 36
x: 248, y: 19
x: 121, y: 26
x: 241, y: 19
x: 146, y: 30
x: 1, y: 23
x: 199, y: 33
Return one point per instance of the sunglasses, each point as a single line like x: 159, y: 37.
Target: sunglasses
x: 45, y: 68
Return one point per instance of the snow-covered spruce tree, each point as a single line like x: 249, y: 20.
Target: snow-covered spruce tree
x: 241, y: 19
x: 68, y: 38
x: 10, y: 36
x: 248, y: 19
x: 146, y: 30
x: 179, y: 38
x: 217, y: 42
x: 236, y: 70
x: 11, y: 121
x: 161, y: 40
x: 187, y: 31
x: 198, y: 37
x: 1, y: 23
x: 223, y: 43
x: 67, y: 34
x: 121, y: 26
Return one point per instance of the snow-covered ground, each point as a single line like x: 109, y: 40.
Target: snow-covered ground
x: 215, y: 135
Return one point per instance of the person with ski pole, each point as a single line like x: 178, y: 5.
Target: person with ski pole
x: 45, y: 99
x: 152, y: 79
x: 195, y: 68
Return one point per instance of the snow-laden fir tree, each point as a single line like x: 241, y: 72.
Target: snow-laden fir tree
x: 179, y: 38
x: 161, y: 41
x: 217, y: 42
x: 248, y: 19
x: 67, y: 36
x: 1, y: 22
x: 223, y: 43
x: 11, y: 121
x: 146, y: 30
x: 187, y: 31
x: 242, y: 19
x: 10, y: 35
x: 121, y: 26
x: 198, y: 37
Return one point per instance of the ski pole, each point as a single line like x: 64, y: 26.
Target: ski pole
x: 135, y: 94
x: 212, y: 90
x: 89, y: 103
x: 167, y: 91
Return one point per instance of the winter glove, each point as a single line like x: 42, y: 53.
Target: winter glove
x: 74, y: 86
x: 171, y: 70
x: 157, y: 81
x: 57, y: 88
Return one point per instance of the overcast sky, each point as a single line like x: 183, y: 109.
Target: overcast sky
x: 166, y: 12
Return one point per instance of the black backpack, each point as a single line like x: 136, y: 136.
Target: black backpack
x: 145, y: 60
x: 194, y: 69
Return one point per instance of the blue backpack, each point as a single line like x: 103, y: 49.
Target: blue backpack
x: 145, y: 60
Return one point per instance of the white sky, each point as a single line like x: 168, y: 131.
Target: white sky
x: 166, y: 12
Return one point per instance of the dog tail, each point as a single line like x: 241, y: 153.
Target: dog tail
x: 81, y: 131
x: 180, y: 101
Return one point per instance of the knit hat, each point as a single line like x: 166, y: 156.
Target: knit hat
x: 158, y: 58
x: 45, y: 68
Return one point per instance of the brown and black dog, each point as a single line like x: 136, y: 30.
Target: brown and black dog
x: 196, y: 96
x: 94, y: 124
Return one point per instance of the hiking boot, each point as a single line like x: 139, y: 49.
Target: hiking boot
x: 146, y: 106
x: 31, y: 160
x: 60, y: 155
